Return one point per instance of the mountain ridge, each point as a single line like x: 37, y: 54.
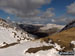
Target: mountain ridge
x: 69, y: 25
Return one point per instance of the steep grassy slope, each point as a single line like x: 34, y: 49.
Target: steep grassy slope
x: 63, y: 38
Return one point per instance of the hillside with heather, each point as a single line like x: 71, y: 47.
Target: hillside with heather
x: 63, y: 38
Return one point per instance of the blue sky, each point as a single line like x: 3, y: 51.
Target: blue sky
x: 59, y: 6
x: 4, y: 15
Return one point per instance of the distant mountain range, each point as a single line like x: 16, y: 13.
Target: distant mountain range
x: 41, y: 30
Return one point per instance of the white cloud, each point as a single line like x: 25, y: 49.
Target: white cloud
x: 27, y: 9
x: 62, y: 20
x: 48, y: 13
x: 24, y: 8
x: 71, y: 9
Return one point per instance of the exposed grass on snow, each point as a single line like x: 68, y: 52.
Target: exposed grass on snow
x: 34, y: 50
x: 8, y: 45
x: 63, y: 38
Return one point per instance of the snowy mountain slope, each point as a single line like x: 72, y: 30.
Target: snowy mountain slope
x: 20, y: 49
x: 11, y: 34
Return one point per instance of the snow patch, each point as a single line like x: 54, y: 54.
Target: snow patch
x: 73, y: 42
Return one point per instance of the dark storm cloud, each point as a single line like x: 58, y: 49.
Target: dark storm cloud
x: 24, y: 8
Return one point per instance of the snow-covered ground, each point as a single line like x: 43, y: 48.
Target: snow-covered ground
x: 73, y: 42
x: 19, y: 50
x: 10, y: 35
